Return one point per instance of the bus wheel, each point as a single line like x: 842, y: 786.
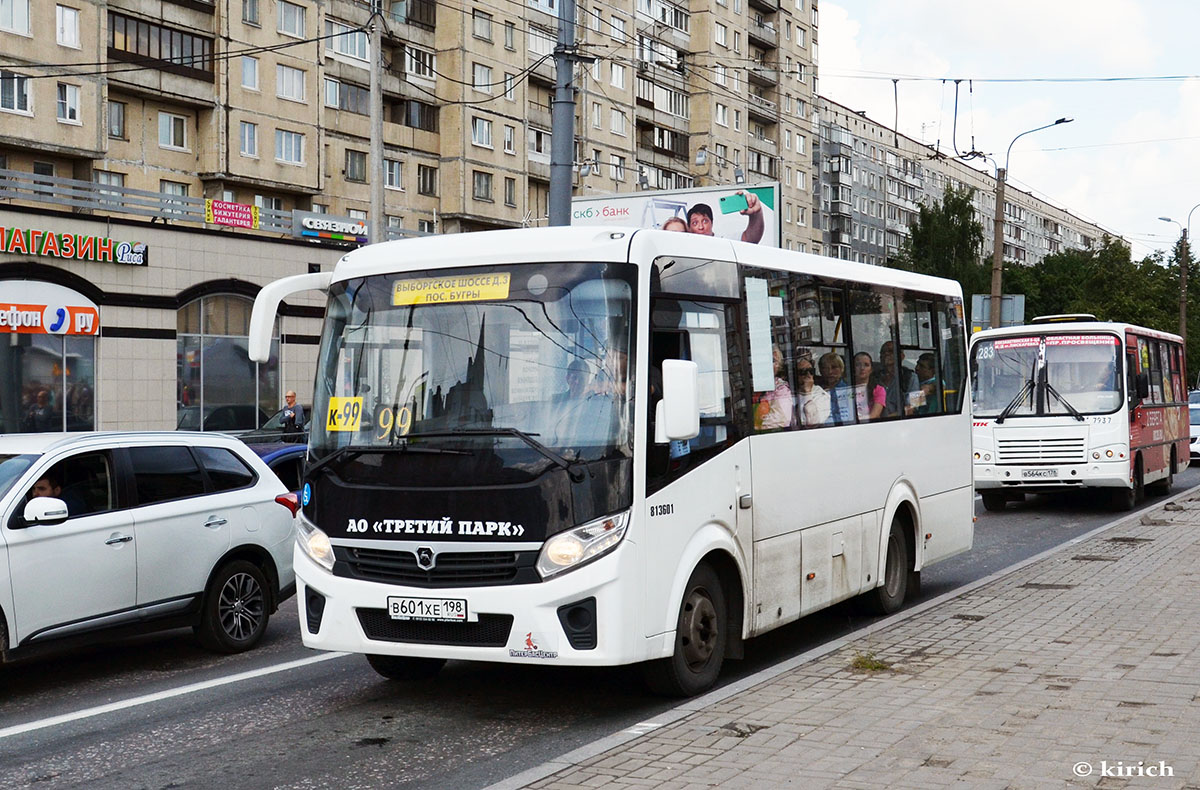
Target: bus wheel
x: 1128, y: 498
x: 994, y: 500
x: 406, y: 667
x: 700, y: 639
x: 1163, y: 487
x: 888, y: 597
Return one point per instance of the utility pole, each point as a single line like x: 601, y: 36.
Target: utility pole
x: 375, y: 170
x: 997, y: 250
x: 562, y: 117
x: 1183, y: 267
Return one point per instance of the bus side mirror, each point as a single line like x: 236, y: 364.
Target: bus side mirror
x: 677, y: 415
x: 1143, y: 386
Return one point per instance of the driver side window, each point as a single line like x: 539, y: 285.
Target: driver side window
x: 84, y: 482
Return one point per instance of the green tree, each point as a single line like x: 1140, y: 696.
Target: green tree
x: 945, y: 240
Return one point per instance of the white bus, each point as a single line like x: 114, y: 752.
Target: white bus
x: 1069, y: 402
x: 588, y: 446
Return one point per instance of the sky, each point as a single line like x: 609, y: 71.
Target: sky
x: 1132, y: 152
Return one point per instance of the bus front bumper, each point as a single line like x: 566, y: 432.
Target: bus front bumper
x: 1052, y: 477
x: 509, y: 624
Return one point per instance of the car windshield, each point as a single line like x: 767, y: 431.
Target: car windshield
x: 1194, y: 415
x: 11, y: 467
x: 1080, y: 372
x: 482, y: 358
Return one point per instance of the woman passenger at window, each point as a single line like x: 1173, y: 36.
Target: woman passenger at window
x: 812, y: 401
x: 868, y: 396
x: 774, y: 409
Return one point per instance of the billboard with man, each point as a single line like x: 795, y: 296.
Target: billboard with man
x: 741, y: 212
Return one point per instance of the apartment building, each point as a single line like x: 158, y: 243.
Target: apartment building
x: 874, y: 180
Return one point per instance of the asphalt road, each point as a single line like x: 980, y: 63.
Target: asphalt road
x: 160, y: 712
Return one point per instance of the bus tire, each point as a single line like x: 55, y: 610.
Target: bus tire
x: 994, y: 501
x: 897, y: 565
x: 1125, y: 499
x: 406, y: 667
x: 1163, y: 487
x: 700, y: 638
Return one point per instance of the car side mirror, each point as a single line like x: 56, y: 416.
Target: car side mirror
x: 45, y: 510
x: 677, y: 415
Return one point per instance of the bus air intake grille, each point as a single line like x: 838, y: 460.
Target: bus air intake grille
x: 450, y: 569
x: 1041, y: 451
x: 491, y: 630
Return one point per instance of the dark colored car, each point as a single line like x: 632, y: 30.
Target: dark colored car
x: 229, y: 418
x: 272, y: 430
x: 285, y: 459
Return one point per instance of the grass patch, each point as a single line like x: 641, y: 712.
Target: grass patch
x: 869, y: 662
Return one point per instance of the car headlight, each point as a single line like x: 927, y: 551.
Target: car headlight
x: 314, y: 543
x: 581, y: 545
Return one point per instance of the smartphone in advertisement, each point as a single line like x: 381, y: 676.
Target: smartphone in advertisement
x: 731, y: 204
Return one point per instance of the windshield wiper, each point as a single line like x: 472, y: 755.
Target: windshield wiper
x: 1026, y: 389
x: 354, y: 450
x: 1071, y: 409
x: 572, y: 468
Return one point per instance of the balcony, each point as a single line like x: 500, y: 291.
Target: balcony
x: 840, y: 208
x: 761, y: 74
x: 762, y: 34
x: 770, y: 6
x: 762, y: 109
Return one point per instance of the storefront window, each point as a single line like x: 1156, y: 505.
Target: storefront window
x: 218, y: 387
x: 47, y: 359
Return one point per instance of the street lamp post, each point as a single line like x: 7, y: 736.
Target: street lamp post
x: 1184, y: 258
x: 998, y: 225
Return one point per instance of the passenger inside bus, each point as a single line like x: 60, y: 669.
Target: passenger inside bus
x: 869, y: 397
x: 812, y: 401
x: 833, y: 380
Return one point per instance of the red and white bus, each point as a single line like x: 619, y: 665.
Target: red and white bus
x: 1070, y: 402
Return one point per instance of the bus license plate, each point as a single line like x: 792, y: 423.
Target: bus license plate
x: 1039, y: 473
x: 452, y: 610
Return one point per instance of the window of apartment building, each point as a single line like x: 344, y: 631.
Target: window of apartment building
x: 539, y: 143
x: 393, y: 174
x: 346, y: 40
x: 719, y: 73
x: 510, y: 86
x: 172, y: 131
x: 172, y: 189
x: 617, y: 122
x: 481, y: 77
x: 722, y: 116
x: 107, y: 178
x: 510, y: 35
x: 510, y: 139
x: 617, y: 75
x: 248, y: 133
x: 481, y: 25
x: 116, y: 119
x: 617, y: 29
x: 425, y: 226
x: 737, y: 41
x: 426, y: 180
x: 416, y: 114
x: 14, y: 92
x: 289, y: 147
x: 68, y: 103
x: 800, y: 38
x: 67, y: 21
x: 249, y: 72
x: 419, y: 63
x: 344, y: 96
x: 541, y: 41
x: 250, y: 12
x: 269, y: 202
x: 289, y: 83
x: 291, y: 19
x: 481, y: 132
x: 800, y: 143
x: 356, y: 166
x: 357, y: 213
x: 320, y: 208
x: 617, y: 163
x: 14, y: 16
x: 737, y: 120
x: 160, y: 47
x: 481, y: 185
x: 722, y: 35
x: 510, y: 191
x: 597, y: 115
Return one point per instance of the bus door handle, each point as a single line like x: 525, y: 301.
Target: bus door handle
x: 745, y: 501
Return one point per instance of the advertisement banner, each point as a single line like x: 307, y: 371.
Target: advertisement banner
x: 741, y: 212
x: 237, y: 215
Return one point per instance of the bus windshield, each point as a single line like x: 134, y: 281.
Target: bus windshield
x: 1080, y: 375
x: 526, y: 366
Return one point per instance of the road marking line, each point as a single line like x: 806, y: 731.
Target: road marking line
x: 162, y: 695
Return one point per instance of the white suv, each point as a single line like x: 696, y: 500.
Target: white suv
x: 132, y: 532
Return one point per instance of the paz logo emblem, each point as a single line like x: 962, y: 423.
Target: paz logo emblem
x: 425, y: 558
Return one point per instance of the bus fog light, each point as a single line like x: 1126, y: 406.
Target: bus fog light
x: 1110, y: 454
x: 314, y: 543
x: 577, y: 546
x: 1096, y: 454
x: 976, y: 456
x: 987, y: 456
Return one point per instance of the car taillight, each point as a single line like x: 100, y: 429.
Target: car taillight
x: 290, y: 501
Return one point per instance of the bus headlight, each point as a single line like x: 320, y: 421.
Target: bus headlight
x: 314, y: 543
x: 575, y: 547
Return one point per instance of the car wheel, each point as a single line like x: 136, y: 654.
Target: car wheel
x: 406, y: 667
x: 700, y: 637
x: 234, y: 614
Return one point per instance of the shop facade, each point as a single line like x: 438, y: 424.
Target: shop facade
x: 112, y: 325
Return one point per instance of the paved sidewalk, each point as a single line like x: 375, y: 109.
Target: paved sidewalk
x: 1078, y: 669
